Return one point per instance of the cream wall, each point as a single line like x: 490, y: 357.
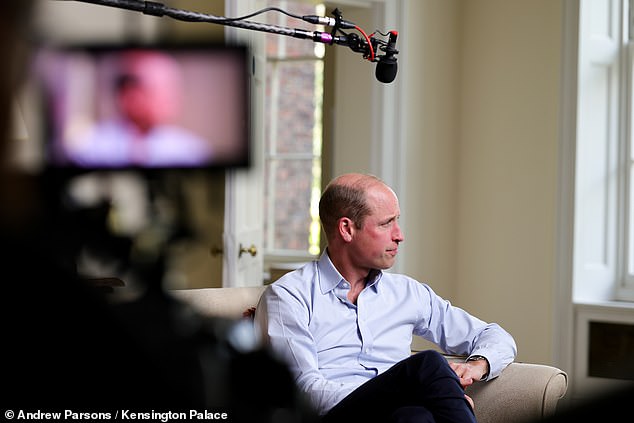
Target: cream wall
x: 509, y: 137
x: 432, y: 69
x: 503, y: 158
x: 482, y: 82
x: 348, y: 103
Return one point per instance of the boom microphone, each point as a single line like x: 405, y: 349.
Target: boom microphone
x: 387, y: 67
x: 369, y: 46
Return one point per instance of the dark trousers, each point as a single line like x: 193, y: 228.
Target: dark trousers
x: 422, y: 389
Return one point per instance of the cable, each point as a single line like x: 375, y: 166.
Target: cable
x: 371, y: 56
x: 266, y: 9
x: 367, y: 39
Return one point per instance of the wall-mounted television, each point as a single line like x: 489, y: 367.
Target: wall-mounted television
x: 145, y: 106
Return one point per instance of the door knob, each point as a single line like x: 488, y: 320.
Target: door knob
x: 251, y: 250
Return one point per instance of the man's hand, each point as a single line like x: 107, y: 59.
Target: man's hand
x: 470, y: 371
x: 470, y: 401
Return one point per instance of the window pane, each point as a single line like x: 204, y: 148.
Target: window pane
x: 291, y: 218
x: 293, y: 142
x: 293, y: 137
x: 295, y: 107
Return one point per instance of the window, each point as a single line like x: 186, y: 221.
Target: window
x: 604, y: 168
x: 293, y: 139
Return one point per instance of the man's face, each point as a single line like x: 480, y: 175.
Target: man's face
x: 375, y: 244
x: 154, y: 97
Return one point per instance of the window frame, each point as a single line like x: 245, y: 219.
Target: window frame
x: 625, y: 288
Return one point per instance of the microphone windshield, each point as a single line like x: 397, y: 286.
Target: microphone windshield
x: 386, y: 70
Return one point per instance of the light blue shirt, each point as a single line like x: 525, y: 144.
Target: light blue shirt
x: 333, y: 346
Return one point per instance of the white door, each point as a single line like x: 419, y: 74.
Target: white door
x: 243, y: 225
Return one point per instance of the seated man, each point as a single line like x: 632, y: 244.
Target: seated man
x: 345, y: 327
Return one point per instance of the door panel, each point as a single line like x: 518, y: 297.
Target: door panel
x: 243, y: 255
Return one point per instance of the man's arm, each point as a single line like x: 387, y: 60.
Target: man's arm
x: 457, y: 332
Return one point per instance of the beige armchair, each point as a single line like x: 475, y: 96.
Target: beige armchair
x: 524, y: 392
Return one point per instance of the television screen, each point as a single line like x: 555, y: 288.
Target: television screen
x: 145, y: 107
x: 136, y: 141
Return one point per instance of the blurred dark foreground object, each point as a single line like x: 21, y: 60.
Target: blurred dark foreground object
x: 612, y: 406
x: 67, y: 347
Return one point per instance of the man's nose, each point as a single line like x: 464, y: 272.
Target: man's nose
x: 398, y: 234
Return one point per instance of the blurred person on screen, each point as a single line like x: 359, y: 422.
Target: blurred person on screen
x: 144, y: 133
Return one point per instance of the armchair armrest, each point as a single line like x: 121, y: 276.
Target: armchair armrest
x: 524, y: 392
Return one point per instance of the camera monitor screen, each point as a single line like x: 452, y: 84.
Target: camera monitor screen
x: 145, y: 107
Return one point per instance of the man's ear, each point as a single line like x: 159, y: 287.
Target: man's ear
x: 346, y: 229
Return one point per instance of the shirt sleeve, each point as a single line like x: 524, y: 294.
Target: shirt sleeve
x: 456, y: 331
x: 283, y: 318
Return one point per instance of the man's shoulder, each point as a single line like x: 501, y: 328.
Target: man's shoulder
x: 300, y: 279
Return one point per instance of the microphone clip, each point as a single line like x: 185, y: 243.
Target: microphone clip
x: 338, y: 19
x: 387, y: 47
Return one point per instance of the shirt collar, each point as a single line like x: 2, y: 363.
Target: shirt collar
x: 330, y: 276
